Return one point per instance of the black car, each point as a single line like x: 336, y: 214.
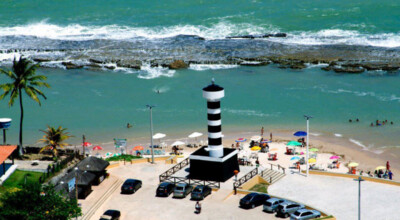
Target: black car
x: 200, y: 192
x: 131, y: 186
x: 111, y: 215
x: 165, y: 189
x: 253, y: 200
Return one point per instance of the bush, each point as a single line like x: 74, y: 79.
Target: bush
x: 126, y: 157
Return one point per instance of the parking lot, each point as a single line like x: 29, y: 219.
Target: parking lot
x: 144, y: 205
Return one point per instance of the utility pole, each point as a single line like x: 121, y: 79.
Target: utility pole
x: 359, y: 196
x: 308, y: 134
x: 151, y: 131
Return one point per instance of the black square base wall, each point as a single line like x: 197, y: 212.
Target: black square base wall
x: 220, y: 171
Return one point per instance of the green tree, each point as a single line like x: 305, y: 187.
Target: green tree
x: 54, y: 138
x: 23, y: 78
x: 35, y: 202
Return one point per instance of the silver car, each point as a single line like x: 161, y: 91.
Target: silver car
x: 287, y: 208
x: 272, y: 204
x: 304, y: 214
x: 182, y: 190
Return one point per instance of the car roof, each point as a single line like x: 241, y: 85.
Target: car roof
x: 131, y: 180
x: 273, y: 199
x: 111, y: 211
x: 182, y: 184
x: 165, y: 184
x: 200, y: 186
x: 288, y: 203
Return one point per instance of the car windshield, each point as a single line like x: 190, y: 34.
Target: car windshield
x: 197, y: 190
x: 296, y: 213
x: 268, y: 203
x: 179, y: 188
x: 161, y: 188
x: 249, y: 197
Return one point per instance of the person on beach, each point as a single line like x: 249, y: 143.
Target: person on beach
x: 262, y: 131
x: 387, y: 165
x: 257, y: 163
x: 270, y: 136
x: 197, y: 207
x: 233, y: 146
x: 390, y: 175
x: 128, y: 125
x: 237, y: 145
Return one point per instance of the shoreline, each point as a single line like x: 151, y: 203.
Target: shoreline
x: 368, y: 160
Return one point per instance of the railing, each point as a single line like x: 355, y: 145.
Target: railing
x: 168, y: 174
x: 176, y: 180
x: 279, y: 167
x: 245, y: 178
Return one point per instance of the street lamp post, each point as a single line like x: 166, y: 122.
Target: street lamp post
x: 359, y: 196
x: 76, y: 187
x: 151, y: 130
x: 308, y: 130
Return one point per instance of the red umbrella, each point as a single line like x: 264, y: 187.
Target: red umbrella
x: 97, y: 148
x: 138, y: 148
x: 87, y: 144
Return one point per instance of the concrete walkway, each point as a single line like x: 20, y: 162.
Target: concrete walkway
x: 339, y: 196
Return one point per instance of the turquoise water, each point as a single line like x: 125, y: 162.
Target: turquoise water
x: 99, y: 104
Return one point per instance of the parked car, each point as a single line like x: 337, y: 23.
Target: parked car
x: 253, y: 200
x: 272, y: 204
x: 304, y: 214
x: 182, y: 190
x: 165, y: 189
x: 287, y: 208
x: 111, y: 215
x: 131, y: 186
x: 200, y: 192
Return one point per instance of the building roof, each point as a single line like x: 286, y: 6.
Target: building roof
x: 93, y: 164
x: 84, y: 178
x: 6, y: 151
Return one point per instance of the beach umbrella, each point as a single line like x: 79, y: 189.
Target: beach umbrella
x: 380, y: 168
x: 266, y: 141
x: 312, y: 160
x: 97, y: 148
x: 86, y: 144
x: 241, y: 140
x: 177, y: 143
x: 293, y: 143
x: 352, y: 164
x: 108, y: 154
x: 334, y: 157
x: 256, y: 148
x: 138, y: 148
x: 300, y: 134
x: 273, y: 149
x: 314, y: 150
x: 195, y: 135
x: 159, y: 135
x: 256, y: 138
x: 295, y: 158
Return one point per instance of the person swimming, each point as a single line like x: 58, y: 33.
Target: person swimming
x: 357, y: 120
x: 350, y: 120
x: 128, y: 125
x: 372, y: 124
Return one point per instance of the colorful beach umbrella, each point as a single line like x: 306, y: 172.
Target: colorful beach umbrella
x: 86, y: 144
x: 380, y: 168
x: 293, y: 143
x: 138, y: 148
x: 295, y: 158
x: 97, y: 148
x: 352, y: 164
x: 312, y: 160
x: 334, y: 157
x: 108, y: 154
x: 300, y: 134
x: 256, y: 148
x: 314, y: 150
x: 241, y: 140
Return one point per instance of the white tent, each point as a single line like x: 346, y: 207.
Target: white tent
x: 159, y: 135
x: 177, y: 143
x: 195, y: 135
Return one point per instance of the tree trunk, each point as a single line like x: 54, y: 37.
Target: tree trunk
x: 20, y: 150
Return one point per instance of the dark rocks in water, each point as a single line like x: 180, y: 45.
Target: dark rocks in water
x: 70, y: 65
x: 189, y: 36
x: 381, y: 66
x: 96, y: 60
x: 109, y: 67
x: 178, y: 64
x: 352, y: 70
x: 41, y: 59
x: 133, y: 64
x: 289, y: 63
x: 253, y: 36
x: 326, y: 68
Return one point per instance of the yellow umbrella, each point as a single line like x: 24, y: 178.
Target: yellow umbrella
x: 380, y: 168
x: 312, y: 160
x: 273, y: 149
x: 352, y: 164
x: 256, y: 148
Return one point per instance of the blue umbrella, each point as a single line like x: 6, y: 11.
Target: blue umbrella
x: 300, y: 134
x: 295, y: 158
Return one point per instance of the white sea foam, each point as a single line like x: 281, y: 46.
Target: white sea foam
x: 381, y: 97
x: 251, y: 113
x: 219, y: 30
x: 315, y: 134
x: 202, y: 67
x: 161, y: 89
x: 359, y: 143
x: 148, y: 72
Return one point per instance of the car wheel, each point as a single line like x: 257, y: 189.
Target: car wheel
x: 318, y: 216
x: 286, y: 215
x: 134, y: 190
x: 202, y: 197
x: 253, y: 206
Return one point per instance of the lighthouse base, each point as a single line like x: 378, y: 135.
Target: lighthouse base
x: 204, y: 167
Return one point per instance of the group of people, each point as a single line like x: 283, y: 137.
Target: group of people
x: 380, y: 123
x: 387, y: 174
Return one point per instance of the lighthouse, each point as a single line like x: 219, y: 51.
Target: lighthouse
x: 213, y: 162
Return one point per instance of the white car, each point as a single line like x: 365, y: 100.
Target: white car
x: 304, y: 214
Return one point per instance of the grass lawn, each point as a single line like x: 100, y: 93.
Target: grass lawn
x: 261, y: 187
x: 17, y: 179
x: 127, y: 157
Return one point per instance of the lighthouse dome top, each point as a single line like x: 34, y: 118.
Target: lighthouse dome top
x: 213, y: 87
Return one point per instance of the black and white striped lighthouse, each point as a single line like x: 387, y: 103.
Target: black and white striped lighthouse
x: 213, y: 162
x: 213, y: 93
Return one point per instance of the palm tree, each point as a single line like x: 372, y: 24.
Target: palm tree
x: 23, y: 78
x: 54, y: 138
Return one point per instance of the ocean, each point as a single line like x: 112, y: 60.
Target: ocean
x: 100, y: 101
